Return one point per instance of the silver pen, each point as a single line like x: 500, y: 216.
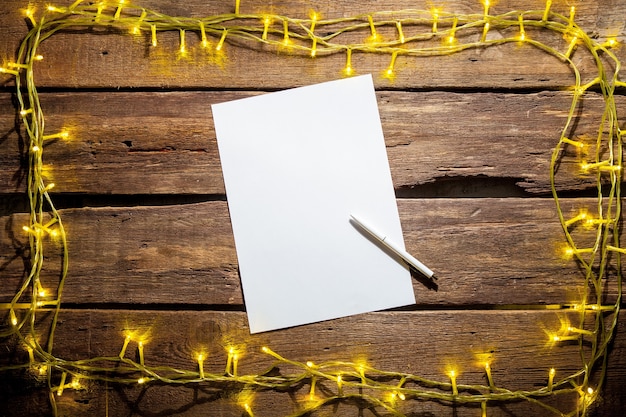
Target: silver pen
x: 404, y: 255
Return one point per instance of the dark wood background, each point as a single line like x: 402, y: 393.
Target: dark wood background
x: 469, y: 139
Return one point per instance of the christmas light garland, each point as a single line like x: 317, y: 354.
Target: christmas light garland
x: 417, y: 33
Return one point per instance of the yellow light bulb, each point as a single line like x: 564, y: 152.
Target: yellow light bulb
x: 154, y: 37
x: 453, y: 374
x: 54, y: 9
x: 488, y: 372
x: 400, y: 32
x: 8, y: 71
x: 221, y: 41
x: 590, y: 391
x: 435, y: 13
x: 140, y: 348
x: 62, y: 384
x: 183, y: 48
x: 201, y: 365
x: 266, y: 24
x: 30, y: 14
x: 141, y: 381
x: 546, y: 12
x: 572, y: 13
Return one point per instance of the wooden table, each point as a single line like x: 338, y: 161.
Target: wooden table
x: 139, y: 187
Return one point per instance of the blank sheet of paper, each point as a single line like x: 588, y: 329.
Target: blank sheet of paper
x: 296, y: 163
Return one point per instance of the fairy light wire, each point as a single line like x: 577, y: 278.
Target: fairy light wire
x: 316, y: 36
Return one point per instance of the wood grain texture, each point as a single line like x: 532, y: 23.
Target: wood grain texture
x: 430, y: 341
x: 164, y: 143
x: 156, y: 254
x: 484, y: 251
x: 95, y: 60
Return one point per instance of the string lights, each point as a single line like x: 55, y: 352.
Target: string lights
x: 350, y: 380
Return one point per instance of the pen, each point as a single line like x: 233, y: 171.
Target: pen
x: 404, y: 255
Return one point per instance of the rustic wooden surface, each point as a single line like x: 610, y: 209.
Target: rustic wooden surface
x: 469, y: 139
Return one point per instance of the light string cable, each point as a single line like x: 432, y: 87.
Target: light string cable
x: 441, y: 33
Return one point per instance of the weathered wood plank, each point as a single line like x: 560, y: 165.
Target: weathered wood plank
x: 165, y: 142
x: 94, y: 60
x: 430, y: 340
x: 485, y: 252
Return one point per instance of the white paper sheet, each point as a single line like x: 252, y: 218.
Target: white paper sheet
x: 296, y: 163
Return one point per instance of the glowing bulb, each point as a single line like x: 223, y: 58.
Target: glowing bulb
x: 400, y: 32
x: 221, y: 41
x: 572, y: 12
x: 235, y: 362
x: 8, y: 71
x: 266, y: 24
x: 483, y: 38
x: 35, y: 148
x: 62, y: 384
x: 575, y: 143
x: 118, y: 12
x: 13, y: 318
x: 30, y: 14
x: 451, y: 39
x: 590, y: 391
x: 488, y: 372
x: 310, y: 364
x: 42, y: 292
x: 124, y: 346
x: 25, y: 112
x: 374, y: 37
x: 389, y: 72
x: 183, y: 49
x: 551, y: 375
x: 571, y: 47
x: 61, y: 135
x: 348, y: 68
x: 546, y: 12
x: 54, y: 9
x: 140, y: 348
x: 286, y: 41
x: 435, y: 13
x: 141, y: 381
x: 339, y: 385
x: 154, y: 37
x: 612, y: 42
x: 201, y: 365
x: 602, y: 165
x: 522, y: 31
x: 452, y: 374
